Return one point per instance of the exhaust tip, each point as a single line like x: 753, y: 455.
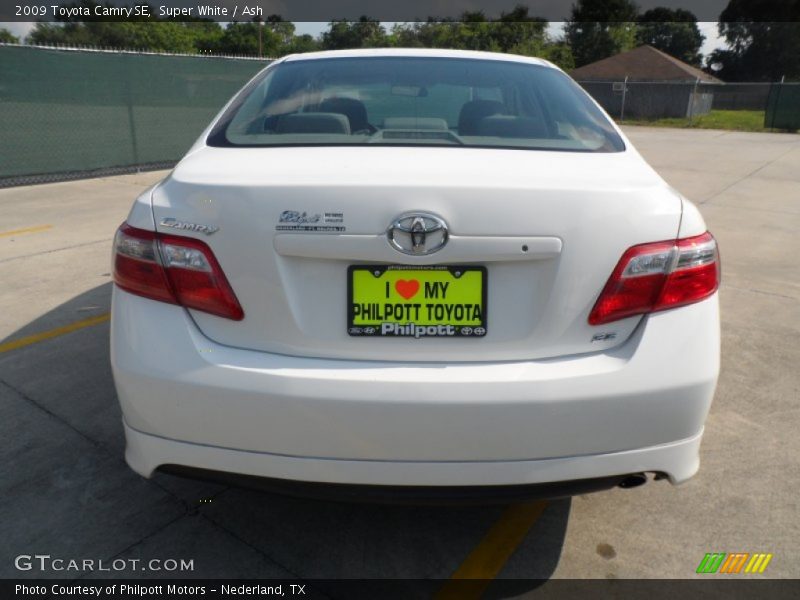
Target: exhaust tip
x: 632, y: 481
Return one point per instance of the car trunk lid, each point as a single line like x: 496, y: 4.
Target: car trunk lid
x: 547, y: 227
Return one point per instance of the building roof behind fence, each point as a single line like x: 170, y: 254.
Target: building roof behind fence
x: 644, y: 63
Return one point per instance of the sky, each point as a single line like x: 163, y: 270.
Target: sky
x: 709, y: 29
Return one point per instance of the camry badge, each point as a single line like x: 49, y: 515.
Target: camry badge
x: 175, y: 224
x: 417, y: 233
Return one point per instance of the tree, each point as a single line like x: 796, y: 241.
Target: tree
x: 282, y: 32
x: 300, y: 44
x: 516, y: 32
x: 763, y: 41
x: 364, y: 33
x: 672, y: 31
x: 598, y: 29
x: 6, y: 37
x: 242, y: 39
x: 137, y: 32
x: 474, y: 32
x: 153, y: 36
x: 207, y: 35
x: 425, y: 34
x: 559, y: 53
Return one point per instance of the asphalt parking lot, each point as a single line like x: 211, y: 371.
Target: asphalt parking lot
x: 67, y: 491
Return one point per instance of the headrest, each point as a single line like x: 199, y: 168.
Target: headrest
x: 319, y: 122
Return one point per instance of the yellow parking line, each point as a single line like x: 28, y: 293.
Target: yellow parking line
x: 36, y: 229
x: 492, y: 553
x: 46, y: 335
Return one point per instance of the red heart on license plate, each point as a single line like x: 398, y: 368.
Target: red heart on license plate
x: 407, y: 289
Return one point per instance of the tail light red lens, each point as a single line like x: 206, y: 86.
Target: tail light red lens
x: 658, y: 276
x: 173, y: 269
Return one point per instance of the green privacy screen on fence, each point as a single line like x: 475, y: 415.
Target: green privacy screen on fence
x: 783, y: 107
x: 71, y: 111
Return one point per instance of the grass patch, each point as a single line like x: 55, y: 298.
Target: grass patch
x: 735, y: 120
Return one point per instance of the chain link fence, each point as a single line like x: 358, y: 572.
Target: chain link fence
x: 74, y: 113
x: 750, y: 106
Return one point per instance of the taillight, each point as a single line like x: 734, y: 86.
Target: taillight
x: 658, y: 276
x: 173, y: 269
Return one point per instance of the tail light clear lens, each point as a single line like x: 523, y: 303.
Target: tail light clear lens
x: 173, y: 269
x: 658, y: 276
x: 137, y: 267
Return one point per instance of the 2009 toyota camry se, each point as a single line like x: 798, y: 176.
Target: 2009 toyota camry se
x: 415, y: 273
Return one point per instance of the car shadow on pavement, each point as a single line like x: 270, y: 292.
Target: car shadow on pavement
x: 68, y: 493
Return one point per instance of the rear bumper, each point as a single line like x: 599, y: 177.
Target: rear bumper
x: 409, y: 494
x: 188, y: 401
x: 146, y: 453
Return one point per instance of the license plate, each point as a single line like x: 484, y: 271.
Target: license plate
x: 417, y: 302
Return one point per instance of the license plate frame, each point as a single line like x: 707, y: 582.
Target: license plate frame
x: 421, y: 322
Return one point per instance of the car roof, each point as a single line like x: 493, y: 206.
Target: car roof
x: 419, y: 53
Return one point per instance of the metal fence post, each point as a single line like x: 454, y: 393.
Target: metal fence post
x: 624, y: 93
x: 692, y: 99
x: 129, y: 102
x: 776, y: 103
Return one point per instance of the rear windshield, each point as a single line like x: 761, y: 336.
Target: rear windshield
x: 415, y: 101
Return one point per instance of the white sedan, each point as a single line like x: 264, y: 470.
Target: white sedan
x: 415, y: 274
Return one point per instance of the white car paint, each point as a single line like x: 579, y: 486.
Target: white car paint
x: 286, y: 393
